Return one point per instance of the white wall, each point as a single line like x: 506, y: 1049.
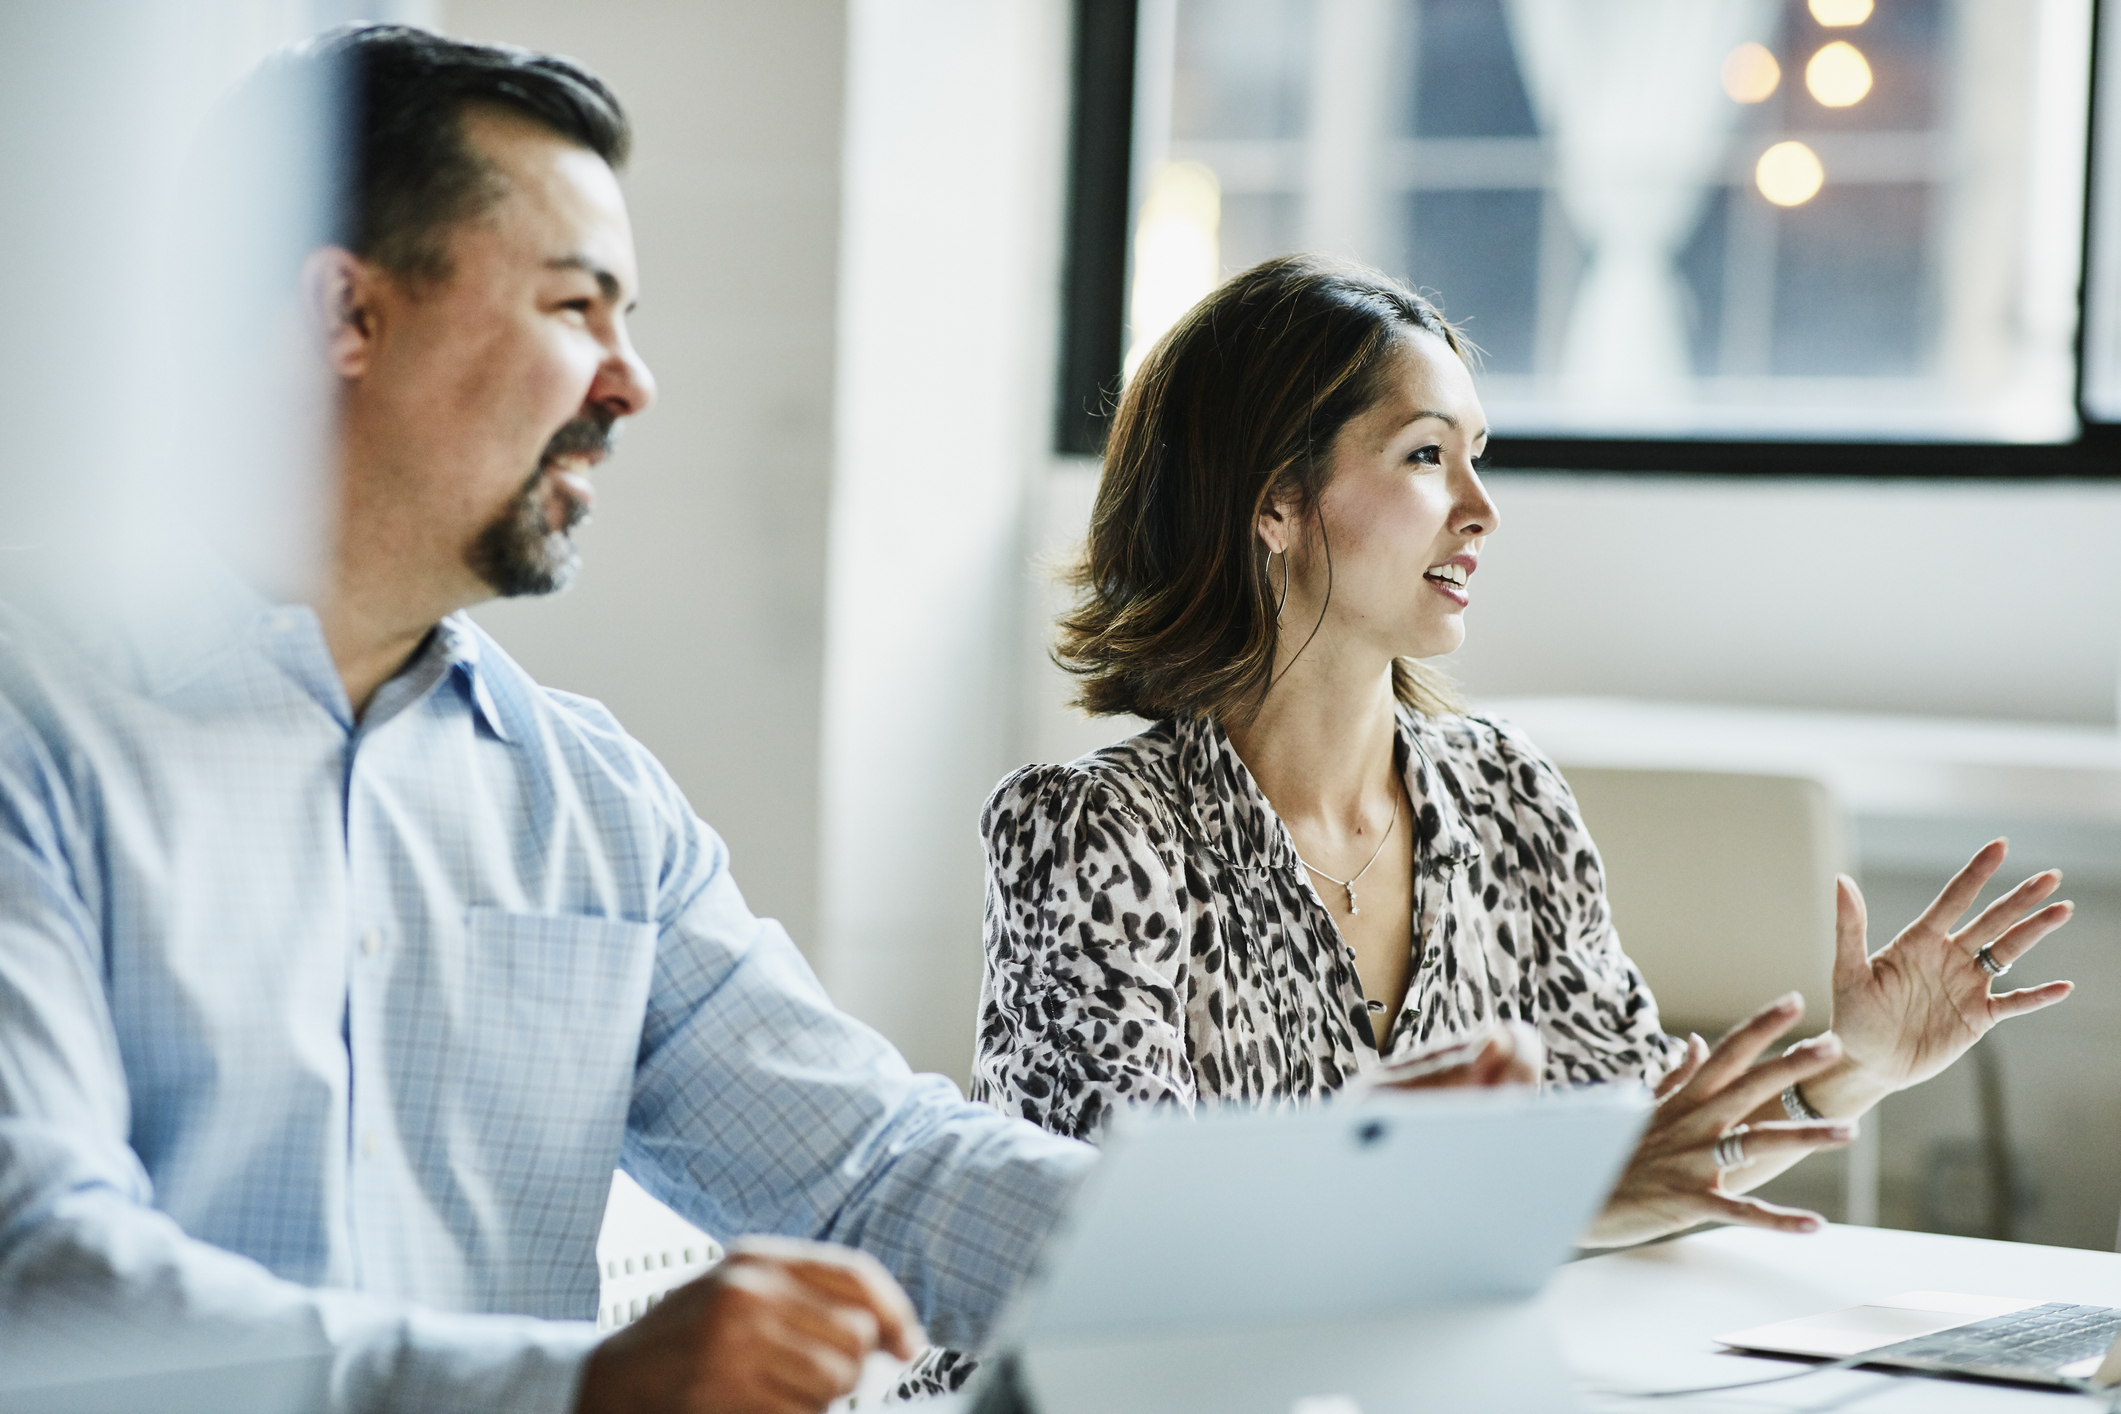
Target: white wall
x: 956, y: 135
x: 699, y: 614
x: 1981, y: 599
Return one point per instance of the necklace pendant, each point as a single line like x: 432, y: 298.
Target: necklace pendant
x: 1352, y: 909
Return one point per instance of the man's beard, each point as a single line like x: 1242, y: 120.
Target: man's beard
x: 520, y: 553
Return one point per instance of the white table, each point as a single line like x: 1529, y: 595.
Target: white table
x: 1647, y: 1319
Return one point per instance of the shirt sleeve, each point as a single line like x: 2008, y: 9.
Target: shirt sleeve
x: 1082, y: 1007
x: 95, y: 1282
x: 1595, y: 1011
x: 760, y: 1107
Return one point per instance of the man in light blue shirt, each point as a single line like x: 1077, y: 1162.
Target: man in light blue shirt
x: 340, y: 963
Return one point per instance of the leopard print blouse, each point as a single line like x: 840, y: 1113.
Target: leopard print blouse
x: 1151, y: 937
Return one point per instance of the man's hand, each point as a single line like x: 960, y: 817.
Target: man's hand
x: 778, y: 1327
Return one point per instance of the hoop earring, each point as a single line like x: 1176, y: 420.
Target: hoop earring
x: 1284, y: 603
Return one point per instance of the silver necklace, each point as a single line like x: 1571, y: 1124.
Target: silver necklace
x: 1349, y: 882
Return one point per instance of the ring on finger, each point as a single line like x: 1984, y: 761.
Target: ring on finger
x: 1988, y: 963
x: 1730, y: 1151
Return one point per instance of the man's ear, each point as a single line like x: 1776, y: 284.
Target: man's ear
x: 338, y: 296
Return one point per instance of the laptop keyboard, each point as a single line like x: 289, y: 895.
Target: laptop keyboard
x: 2036, y: 1342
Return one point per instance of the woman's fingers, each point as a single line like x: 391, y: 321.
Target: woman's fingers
x: 1697, y: 1051
x: 1512, y: 1055
x: 1991, y: 922
x: 2019, y: 940
x: 1852, y: 957
x: 1438, y: 1070
x: 1964, y: 887
x: 1763, y: 1083
x: 1742, y: 1045
x: 1780, y: 1138
x: 2025, y: 999
x: 1754, y: 1213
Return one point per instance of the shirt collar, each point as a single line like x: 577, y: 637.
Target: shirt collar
x: 462, y: 646
x: 224, y: 611
x: 1234, y: 818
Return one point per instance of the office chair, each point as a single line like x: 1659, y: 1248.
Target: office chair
x: 1722, y: 887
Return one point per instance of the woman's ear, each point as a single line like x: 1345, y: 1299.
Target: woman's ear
x: 1276, y: 527
x: 338, y: 297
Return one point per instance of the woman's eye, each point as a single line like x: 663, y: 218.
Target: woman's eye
x: 1480, y: 463
x: 1431, y: 455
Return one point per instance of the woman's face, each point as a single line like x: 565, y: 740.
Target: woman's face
x: 1404, y: 514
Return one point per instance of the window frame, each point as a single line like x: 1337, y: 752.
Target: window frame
x: 1098, y: 252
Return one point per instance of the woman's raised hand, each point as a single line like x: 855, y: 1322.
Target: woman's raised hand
x: 1913, y: 1007
x: 1698, y: 1133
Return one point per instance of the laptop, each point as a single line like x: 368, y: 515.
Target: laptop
x: 1379, y: 1256
x: 1949, y: 1333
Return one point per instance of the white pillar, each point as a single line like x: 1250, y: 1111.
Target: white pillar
x: 1352, y: 78
x: 955, y: 177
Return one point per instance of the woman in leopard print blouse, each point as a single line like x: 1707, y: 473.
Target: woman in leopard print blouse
x: 1316, y: 863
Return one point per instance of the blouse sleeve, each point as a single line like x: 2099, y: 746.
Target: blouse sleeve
x: 1595, y: 1012
x: 1081, y: 1006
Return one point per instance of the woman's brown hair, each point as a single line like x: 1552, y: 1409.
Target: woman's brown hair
x: 1235, y: 408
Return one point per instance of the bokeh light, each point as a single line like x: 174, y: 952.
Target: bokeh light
x: 1177, y: 254
x: 1789, y: 174
x: 1838, y: 75
x: 1839, y: 14
x: 1750, y: 73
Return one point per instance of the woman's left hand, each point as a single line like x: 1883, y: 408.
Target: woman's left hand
x: 1913, y: 1007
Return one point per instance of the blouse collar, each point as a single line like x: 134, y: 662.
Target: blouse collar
x: 1234, y: 819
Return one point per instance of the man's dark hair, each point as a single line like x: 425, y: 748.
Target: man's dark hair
x: 413, y: 176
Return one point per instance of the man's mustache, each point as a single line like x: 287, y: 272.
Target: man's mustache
x: 591, y: 434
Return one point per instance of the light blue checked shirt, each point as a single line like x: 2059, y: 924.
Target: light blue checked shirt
x: 325, y: 1033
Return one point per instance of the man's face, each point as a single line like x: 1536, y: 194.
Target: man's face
x: 490, y: 396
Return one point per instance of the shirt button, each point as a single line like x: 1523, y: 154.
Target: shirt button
x: 371, y: 943
x: 368, y: 1145
x: 283, y: 620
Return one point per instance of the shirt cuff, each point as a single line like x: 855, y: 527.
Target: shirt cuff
x: 449, y: 1361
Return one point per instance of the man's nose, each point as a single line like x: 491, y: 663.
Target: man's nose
x: 624, y: 385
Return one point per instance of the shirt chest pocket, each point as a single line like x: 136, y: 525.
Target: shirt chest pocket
x: 551, y: 1021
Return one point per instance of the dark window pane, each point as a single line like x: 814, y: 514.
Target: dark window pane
x: 1466, y: 82
x: 1848, y: 282
x: 1240, y: 69
x: 1477, y: 254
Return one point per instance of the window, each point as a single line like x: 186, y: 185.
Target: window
x: 1736, y: 221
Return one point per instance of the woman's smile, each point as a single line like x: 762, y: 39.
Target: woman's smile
x: 1449, y: 578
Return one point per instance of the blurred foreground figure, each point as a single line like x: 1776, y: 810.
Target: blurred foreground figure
x: 340, y: 962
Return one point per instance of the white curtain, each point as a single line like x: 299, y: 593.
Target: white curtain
x: 1630, y: 95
